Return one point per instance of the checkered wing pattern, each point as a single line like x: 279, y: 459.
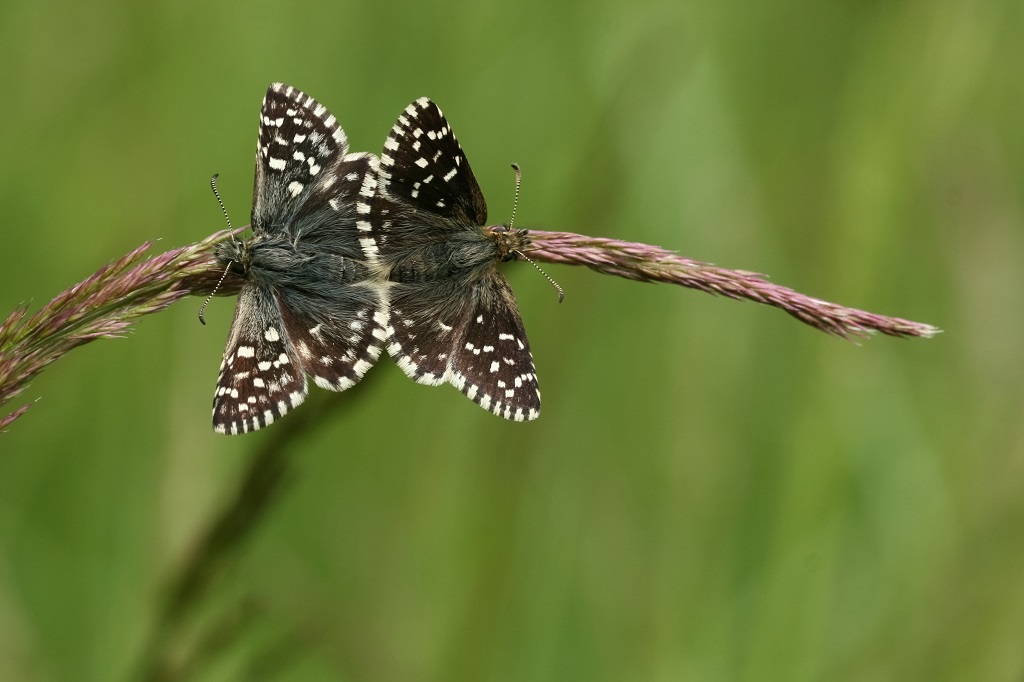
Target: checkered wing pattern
x: 260, y: 380
x: 299, y: 147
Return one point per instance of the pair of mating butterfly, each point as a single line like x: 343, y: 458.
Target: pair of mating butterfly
x: 352, y: 253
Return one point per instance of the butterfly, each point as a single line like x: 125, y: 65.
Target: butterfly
x: 306, y: 306
x: 452, y: 316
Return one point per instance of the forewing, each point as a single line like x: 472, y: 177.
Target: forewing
x: 476, y: 342
x: 259, y: 380
x: 423, y: 165
x: 328, y: 220
x: 424, y: 184
x: 299, y: 148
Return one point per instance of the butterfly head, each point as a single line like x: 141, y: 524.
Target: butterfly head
x: 236, y: 254
x: 510, y: 241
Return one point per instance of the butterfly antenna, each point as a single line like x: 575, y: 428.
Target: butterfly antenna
x: 213, y: 186
x: 515, y: 202
x: 561, y: 292
x: 202, y: 308
x: 515, y: 205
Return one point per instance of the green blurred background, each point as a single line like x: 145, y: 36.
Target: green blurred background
x: 713, y: 492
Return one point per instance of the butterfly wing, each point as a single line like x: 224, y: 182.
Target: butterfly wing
x: 299, y: 147
x: 492, y: 364
x: 423, y: 165
x: 423, y: 190
x: 259, y: 380
x: 470, y: 337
